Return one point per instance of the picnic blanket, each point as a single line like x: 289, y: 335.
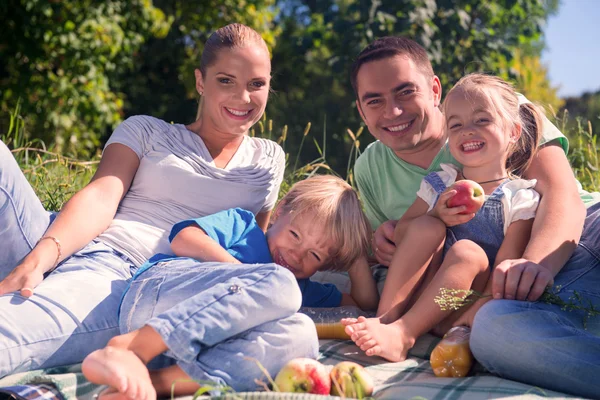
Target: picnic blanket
x: 410, y: 379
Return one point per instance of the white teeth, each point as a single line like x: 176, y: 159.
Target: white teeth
x: 472, y: 146
x: 398, y: 127
x: 237, y: 113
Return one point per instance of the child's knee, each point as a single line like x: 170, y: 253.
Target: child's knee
x: 426, y: 228
x: 467, y: 252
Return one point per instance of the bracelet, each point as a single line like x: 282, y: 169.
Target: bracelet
x: 58, y: 248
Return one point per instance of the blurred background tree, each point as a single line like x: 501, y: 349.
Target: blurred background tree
x: 80, y: 67
x: 64, y: 59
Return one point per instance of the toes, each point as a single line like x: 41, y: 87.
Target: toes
x: 362, y: 338
x: 348, y: 321
x: 374, y: 350
x: 369, y: 344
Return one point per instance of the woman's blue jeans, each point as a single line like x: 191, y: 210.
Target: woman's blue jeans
x: 74, y: 310
x: 218, y: 320
x: 540, y: 343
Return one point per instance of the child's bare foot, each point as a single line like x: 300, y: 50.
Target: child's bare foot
x: 391, y: 341
x: 120, y: 369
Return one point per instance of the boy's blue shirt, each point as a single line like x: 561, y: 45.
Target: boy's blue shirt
x: 237, y: 232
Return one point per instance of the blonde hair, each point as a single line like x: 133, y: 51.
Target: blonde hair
x: 505, y: 102
x: 335, y: 205
x: 228, y: 37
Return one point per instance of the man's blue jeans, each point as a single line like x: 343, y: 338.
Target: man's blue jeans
x: 541, y: 344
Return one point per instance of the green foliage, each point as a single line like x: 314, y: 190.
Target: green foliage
x: 320, y: 39
x: 61, y: 58
x: 532, y: 81
x: 54, y: 177
x: 586, y: 107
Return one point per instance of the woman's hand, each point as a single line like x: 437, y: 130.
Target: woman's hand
x: 383, y: 242
x: 520, y: 279
x: 24, y: 278
x: 449, y: 216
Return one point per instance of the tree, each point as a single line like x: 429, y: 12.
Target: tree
x: 61, y: 59
x: 531, y: 79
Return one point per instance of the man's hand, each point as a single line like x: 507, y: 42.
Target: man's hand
x: 24, y: 278
x: 449, y: 216
x: 520, y: 279
x: 383, y: 242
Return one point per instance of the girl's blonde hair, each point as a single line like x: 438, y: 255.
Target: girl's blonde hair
x: 228, y: 37
x: 332, y: 203
x: 503, y: 98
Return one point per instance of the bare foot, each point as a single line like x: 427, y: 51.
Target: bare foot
x: 120, y: 369
x: 390, y: 341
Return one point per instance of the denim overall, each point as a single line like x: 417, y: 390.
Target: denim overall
x: 486, y: 228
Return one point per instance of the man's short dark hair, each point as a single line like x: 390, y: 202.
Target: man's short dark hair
x: 391, y: 46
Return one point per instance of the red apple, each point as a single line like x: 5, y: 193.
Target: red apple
x: 303, y: 375
x: 469, y: 194
x: 352, y: 380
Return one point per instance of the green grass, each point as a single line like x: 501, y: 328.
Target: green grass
x: 56, y: 178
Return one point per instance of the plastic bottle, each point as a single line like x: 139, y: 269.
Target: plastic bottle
x: 452, y: 356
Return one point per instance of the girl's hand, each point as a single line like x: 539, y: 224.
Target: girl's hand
x: 383, y: 242
x: 24, y: 278
x: 449, y: 216
x: 520, y: 279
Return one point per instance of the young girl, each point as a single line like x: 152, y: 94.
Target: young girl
x: 206, y: 317
x: 494, y: 138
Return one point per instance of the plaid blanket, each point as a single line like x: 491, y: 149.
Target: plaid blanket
x: 410, y: 379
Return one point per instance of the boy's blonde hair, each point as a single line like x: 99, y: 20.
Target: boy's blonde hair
x: 333, y: 203
x: 503, y: 97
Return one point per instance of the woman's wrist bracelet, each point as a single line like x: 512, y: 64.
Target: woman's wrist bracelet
x: 58, y: 248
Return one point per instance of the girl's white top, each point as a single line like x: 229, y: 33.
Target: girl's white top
x: 520, y: 200
x: 177, y: 180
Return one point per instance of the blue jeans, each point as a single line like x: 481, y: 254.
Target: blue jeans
x: 212, y: 315
x: 74, y: 310
x: 540, y: 344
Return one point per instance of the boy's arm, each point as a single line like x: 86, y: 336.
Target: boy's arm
x: 363, y: 289
x: 193, y: 242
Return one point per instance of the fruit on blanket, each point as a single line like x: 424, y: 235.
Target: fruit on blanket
x: 303, y: 375
x: 352, y: 380
x: 452, y: 356
x: 331, y: 331
x: 469, y: 194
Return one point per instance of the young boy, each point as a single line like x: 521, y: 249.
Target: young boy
x: 318, y: 225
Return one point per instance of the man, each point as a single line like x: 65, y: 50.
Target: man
x: 398, y: 97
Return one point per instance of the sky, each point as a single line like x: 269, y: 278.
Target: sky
x: 572, y: 53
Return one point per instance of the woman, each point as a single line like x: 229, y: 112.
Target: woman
x: 63, y: 279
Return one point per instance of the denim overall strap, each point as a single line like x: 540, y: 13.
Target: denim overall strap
x: 436, y: 183
x: 486, y: 228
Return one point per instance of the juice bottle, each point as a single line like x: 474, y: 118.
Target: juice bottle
x: 452, y: 356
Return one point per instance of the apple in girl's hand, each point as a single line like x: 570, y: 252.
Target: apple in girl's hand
x: 303, y: 375
x: 352, y: 379
x: 469, y: 194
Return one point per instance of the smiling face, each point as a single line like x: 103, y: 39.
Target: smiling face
x: 477, y: 136
x: 235, y: 89
x: 398, y: 103
x: 299, y: 244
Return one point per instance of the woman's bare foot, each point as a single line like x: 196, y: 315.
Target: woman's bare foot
x: 120, y: 369
x: 390, y: 341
